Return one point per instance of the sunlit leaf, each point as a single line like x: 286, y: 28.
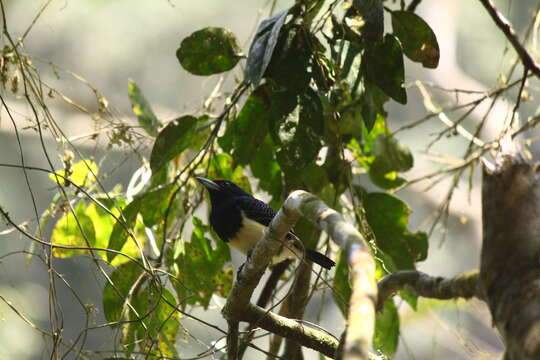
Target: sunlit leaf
x: 209, y: 51
x: 172, y: 141
x: 142, y: 109
x: 418, y: 40
x: 388, y: 217
x: 73, y: 229
x: 122, y: 228
x: 81, y: 173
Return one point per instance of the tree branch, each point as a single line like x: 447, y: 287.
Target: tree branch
x: 361, y: 314
x: 503, y: 24
x: 509, y: 271
x: 361, y: 317
x: 464, y: 285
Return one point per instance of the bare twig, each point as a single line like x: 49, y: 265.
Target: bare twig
x: 505, y: 26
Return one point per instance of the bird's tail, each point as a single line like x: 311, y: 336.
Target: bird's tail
x: 319, y: 258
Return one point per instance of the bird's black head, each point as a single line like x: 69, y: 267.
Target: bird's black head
x: 221, y: 190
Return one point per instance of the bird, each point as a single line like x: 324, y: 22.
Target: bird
x: 240, y: 219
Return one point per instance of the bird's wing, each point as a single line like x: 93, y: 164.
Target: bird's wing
x: 255, y: 209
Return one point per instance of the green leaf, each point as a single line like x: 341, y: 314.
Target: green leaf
x: 120, y: 232
x: 141, y: 108
x: 390, y: 158
x: 342, y: 287
x: 251, y: 126
x: 73, y: 229
x: 81, y: 173
x: 386, y: 337
x: 176, y: 137
x: 384, y: 64
x: 114, y: 297
x: 262, y: 47
x: 200, y: 268
x: 266, y: 168
x: 162, y: 320
x: 155, y: 203
x: 209, y: 51
x: 288, y: 67
x: 418, y: 40
x: 366, y: 18
x: 388, y: 217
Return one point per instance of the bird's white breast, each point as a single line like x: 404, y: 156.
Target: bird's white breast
x: 251, y: 232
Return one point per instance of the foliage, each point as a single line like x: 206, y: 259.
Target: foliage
x: 308, y: 114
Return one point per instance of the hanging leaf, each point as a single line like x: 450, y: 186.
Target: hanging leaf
x: 172, y: 141
x: 386, y: 337
x: 141, y: 108
x: 417, y: 38
x: 114, y: 297
x: 209, y: 51
x: 384, y: 65
x: 388, y: 217
x: 366, y: 19
x: 262, y: 47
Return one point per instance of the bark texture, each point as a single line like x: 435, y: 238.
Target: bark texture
x: 510, y: 262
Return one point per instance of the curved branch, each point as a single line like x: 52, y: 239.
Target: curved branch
x: 361, y: 317
x: 461, y: 286
x: 361, y: 314
x: 503, y: 24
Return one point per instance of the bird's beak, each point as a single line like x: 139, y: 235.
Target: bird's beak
x: 209, y: 184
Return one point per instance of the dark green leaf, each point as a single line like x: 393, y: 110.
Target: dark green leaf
x: 265, y: 167
x: 172, y: 141
x: 386, y: 336
x: 262, y: 47
x: 159, y: 307
x: 114, y: 297
x: 366, y: 18
x: 384, y: 64
x: 146, y: 117
x: 418, y: 40
x: 388, y: 217
x: 290, y: 60
x: 251, y: 124
x: 209, y: 51
x: 154, y: 204
x: 390, y: 158
x: 342, y: 287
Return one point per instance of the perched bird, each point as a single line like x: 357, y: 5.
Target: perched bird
x: 239, y: 219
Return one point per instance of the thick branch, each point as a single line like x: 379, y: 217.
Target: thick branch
x: 361, y: 315
x: 509, y: 269
x: 290, y: 329
x: 510, y: 34
x: 461, y: 286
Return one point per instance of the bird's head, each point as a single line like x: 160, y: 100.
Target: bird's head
x: 221, y: 189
